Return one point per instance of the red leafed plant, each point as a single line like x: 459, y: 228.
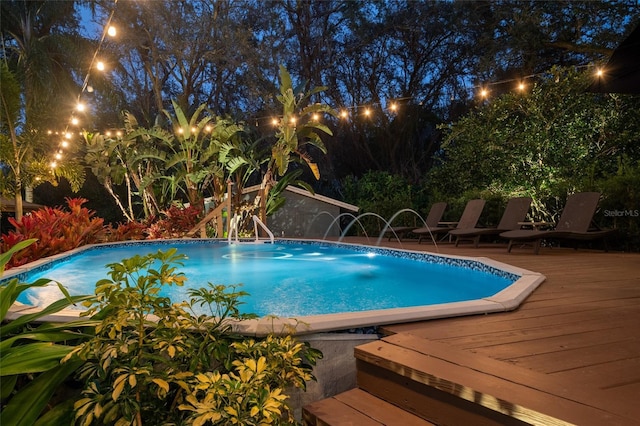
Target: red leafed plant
x: 176, y: 222
x: 57, y: 230
x: 127, y: 231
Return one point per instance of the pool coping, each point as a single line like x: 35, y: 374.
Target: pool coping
x: 506, y: 300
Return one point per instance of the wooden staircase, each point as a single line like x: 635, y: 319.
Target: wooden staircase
x: 402, y: 380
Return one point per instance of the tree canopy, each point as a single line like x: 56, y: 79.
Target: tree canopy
x: 397, y: 69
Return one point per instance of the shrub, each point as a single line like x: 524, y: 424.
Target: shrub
x: 178, y: 367
x: 30, y: 355
x: 176, y: 222
x: 56, y: 231
x: 127, y: 231
x: 383, y: 194
x: 620, y: 208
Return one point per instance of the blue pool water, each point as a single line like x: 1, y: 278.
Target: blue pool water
x: 289, y: 278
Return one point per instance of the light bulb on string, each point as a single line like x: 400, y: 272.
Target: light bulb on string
x: 112, y: 31
x: 80, y: 107
x: 100, y: 66
x: 75, y: 121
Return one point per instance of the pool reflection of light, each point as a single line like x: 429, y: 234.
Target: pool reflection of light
x: 371, y: 255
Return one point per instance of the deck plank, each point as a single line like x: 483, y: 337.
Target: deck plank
x: 380, y: 411
x: 579, y: 327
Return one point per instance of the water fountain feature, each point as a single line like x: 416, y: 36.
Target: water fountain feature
x: 398, y: 213
x: 357, y: 219
x: 317, y: 216
x: 350, y: 223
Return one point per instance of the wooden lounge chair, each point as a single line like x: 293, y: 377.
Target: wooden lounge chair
x: 574, y: 224
x: 435, y: 215
x: 514, y: 213
x: 468, y: 219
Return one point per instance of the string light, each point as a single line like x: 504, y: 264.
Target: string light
x: 100, y: 66
x: 393, y: 105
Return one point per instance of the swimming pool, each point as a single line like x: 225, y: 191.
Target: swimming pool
x: 315, y: 285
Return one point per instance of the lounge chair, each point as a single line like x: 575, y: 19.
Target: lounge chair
x: 468, y: 219
x: 435, y: 215
x: 515, y: 212
x: 574, y: 224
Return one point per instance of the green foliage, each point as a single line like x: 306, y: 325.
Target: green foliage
x: 297, y: 127
x: 131, y: 159
x: 381, y: 193
x: 195, y: 156
x: 31, y: 352
x: 555, y: 140
x: 620, y: 208
x: 154, y: 360
x: 10, y: 97
x: 275, y: 199
x: 158, y: 166
x: 56, y: 231
x: 40, y: 47
x: 297, y: 131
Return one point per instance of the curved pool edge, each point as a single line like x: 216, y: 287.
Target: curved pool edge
x: 506, y: 300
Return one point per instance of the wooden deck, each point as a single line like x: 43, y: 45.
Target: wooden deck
x: 570, y: 352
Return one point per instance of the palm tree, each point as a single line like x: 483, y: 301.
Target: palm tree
x: 298, y: 128
x: 40, y: 47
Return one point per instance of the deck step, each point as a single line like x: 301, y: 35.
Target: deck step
x: 359, y: 408
x: 445, y: 385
